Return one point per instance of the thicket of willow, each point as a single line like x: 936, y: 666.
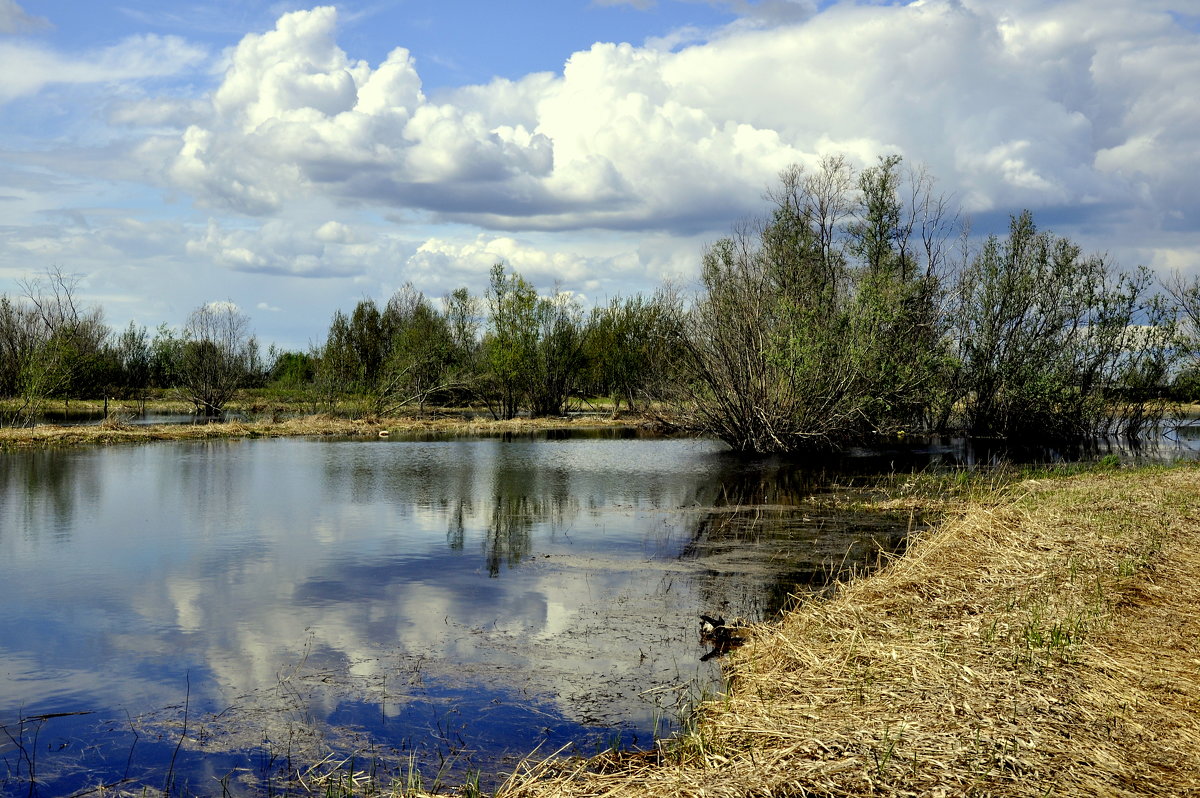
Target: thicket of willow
x: 855, y: 310
x: 850, y: 314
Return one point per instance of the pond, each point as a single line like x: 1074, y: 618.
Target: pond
x: 242, y: 616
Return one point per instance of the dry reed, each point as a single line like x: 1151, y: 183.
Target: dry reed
x: 1040, y: 643
x: 115, y: 431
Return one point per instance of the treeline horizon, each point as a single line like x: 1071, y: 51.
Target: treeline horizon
x: 857, y: 309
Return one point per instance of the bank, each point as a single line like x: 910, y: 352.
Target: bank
x: 1042, y: 640
x: 116, y: 431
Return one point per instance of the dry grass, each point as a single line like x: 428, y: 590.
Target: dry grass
x: 1040, y: 643
x: 115, y: 431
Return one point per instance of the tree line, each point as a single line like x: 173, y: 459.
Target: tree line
x: 856, y: 309
x: 508, y: 351
x: 52, y: 347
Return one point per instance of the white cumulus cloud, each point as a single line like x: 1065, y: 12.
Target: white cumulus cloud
x: 296, y: 247
x: 1033, y: 104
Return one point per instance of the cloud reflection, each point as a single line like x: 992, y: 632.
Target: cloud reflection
x: 435, y: 596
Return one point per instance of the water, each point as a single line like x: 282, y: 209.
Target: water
x: 224, y: 615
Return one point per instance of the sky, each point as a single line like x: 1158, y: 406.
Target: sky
x: 295, y: 159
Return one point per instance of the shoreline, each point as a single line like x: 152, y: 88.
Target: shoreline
x: 1042, y: 640
x: 110, y: 432
x: 273, y: 419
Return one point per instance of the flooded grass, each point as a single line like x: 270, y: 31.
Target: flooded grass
x: 1040, y: 640
x: 114, y: 430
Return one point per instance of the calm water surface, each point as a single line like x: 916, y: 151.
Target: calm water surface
x: 220, y: 616
x: 263, y: 605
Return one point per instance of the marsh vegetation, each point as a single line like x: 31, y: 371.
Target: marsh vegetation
x: 857, y: 309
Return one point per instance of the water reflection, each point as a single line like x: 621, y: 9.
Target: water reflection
x: 319, y: 595
x: 447, y: 598
x: 54, y: 485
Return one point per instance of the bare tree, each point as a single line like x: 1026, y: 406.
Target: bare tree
x: 1185, y: 296
x: 52, y: 343
x: 217, y: 356
x: 1187, y: 305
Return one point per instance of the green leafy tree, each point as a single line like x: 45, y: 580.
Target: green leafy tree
x: 509, y: 345
x: 337, y: 371
x: 821, y: 325
x: 896, y: 317
x: 532, y: 353
x: 133, y: 355
x: 465, y: 358
x: 632, y: 347
x: 291, y: 370
x: 1055, y: 344
x: 164, y: 357
x: 420, y: 354
x: 18, y: 339
x: 556, y: 368
x: 368, y: 341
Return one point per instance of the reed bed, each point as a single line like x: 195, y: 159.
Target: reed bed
x: 1041, y: 642
x: 114, y: 430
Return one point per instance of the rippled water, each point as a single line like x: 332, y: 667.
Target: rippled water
x: 220, y: 616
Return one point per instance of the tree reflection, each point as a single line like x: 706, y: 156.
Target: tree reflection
x: 522, y: 499
x: 769, y: 534
x: 41, y: 491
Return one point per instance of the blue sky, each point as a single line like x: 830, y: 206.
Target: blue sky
x: 294, y: 159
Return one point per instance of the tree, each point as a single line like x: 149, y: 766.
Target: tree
x: 556, y: 368
x: 19, y: 337
x: 533, y: 351
x: 368, y: 342
x: 632, y: 347
x: 336, y: 370
x: 510, y: 342
x: 1186, y: 310
x: 217, y: 356
x: 133, y: 357
x: 57, y: 344
x: 1055, y: 344
x: 165, y: 351
x: 419, y: 352
x: 291, y: 370
x: 764, y: 363
x: 820, y: 325
x: 461, y: 311
x: 896, y: 314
